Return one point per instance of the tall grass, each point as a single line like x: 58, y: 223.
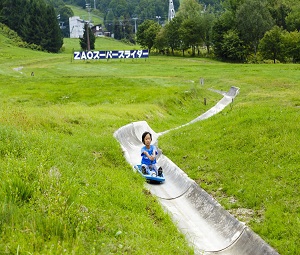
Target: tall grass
x: 66, y: 187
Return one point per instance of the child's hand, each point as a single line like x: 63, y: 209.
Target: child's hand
x: 151, y: 157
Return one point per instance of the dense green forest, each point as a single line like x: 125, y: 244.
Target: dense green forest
x: 34, y: 21
x: 243, y: 31
x: 230, y: 30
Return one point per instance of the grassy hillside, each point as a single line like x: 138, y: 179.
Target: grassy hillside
x: 66, y: 187
x: 95, y: 15
x: 248, y: 156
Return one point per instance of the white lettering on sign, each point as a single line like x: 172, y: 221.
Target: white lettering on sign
x: 84, y: 55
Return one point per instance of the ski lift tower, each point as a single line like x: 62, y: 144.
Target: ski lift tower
x: 171, y: 13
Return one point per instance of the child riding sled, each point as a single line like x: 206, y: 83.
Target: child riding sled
x: 148, y: 153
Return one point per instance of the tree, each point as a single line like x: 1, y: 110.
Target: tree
x: 149, y: 9
x: 221, y: 26
x: 272, y: 45
x: 52, y: 40
x: 65, y: 13
x: 146, y: 10
x: 189, y: 9
x: 232, y: 5
x: 127, y: 30
x: 293, y: 18
x: 173, y: 39
x: 147, y: 32
x: 12, y: 13
x: 232, y: 47
x: 190, y: 31
x: 119, y: 7
x: 34, y: 21
x: 191, y: 27
x: 110, y: 21
x: 87, y: 42
x: 160, y: 42
x: 208, y: 22
x: 279, y: 11
x: 292, y: 42
x: 253, y: 20
x: 118, y: 29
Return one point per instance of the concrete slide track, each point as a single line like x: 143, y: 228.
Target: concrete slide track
x: 208, y: 227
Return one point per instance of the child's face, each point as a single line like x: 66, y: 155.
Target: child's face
x: 147, y: 140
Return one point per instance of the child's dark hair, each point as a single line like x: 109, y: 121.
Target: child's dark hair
x: 144, y: 135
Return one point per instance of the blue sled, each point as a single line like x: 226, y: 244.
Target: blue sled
x: 149, y: 177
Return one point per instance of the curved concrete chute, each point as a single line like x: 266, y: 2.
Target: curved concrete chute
x: 227, y: 99
x: 248, y: 243
x: 206, y: 224
x: 170, y: 190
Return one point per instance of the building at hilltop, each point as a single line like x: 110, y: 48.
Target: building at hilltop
x: 76, y: 26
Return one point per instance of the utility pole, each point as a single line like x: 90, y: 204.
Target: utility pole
x: 88, y: 6
x: 88, y: 37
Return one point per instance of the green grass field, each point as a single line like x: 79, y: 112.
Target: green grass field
x: 66, y: 187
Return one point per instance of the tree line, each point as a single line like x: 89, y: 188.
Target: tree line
x: 242, y: 31
x: 121, y: 16
x: 230, y: 30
